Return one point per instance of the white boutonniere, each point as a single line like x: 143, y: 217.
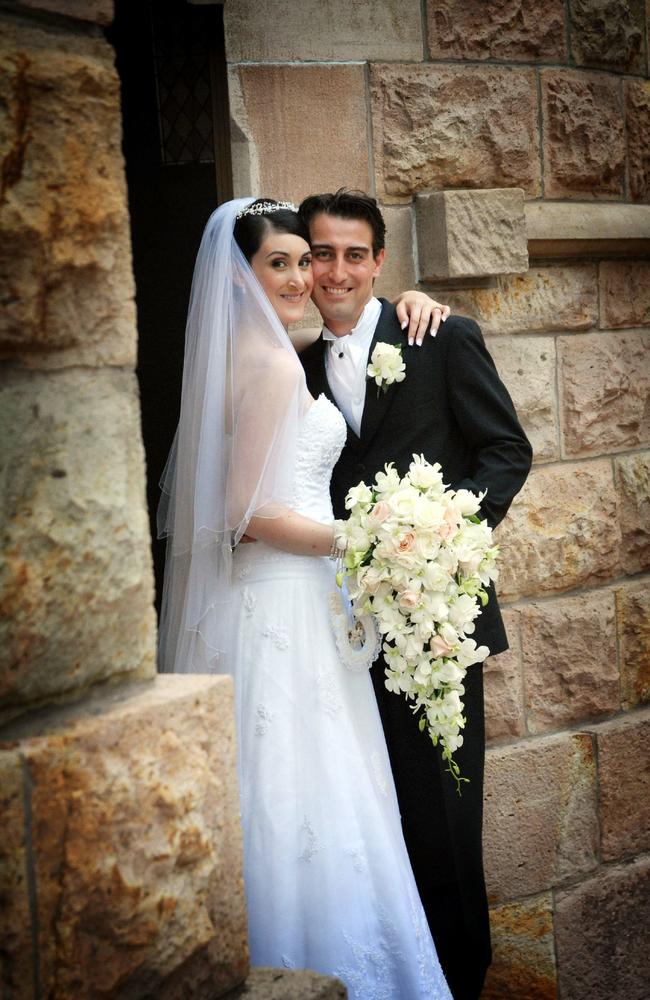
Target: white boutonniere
x: 386, y: 365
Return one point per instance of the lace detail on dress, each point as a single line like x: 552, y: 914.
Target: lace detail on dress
x: 320, y: 443
x: 264, y: 717
x: 249, y: 600
x: 369, y: 975
x: 328, y: 693
x: 311, y: 847
x: 430, y: 984
x: 279, y: 636
x: 359, y: 862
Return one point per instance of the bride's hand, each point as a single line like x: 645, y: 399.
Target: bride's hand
x: 417, y: 310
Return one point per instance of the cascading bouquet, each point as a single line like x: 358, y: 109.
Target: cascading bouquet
x: 418, y: 558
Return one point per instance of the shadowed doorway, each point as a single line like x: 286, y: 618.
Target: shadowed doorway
x: 171, y: 61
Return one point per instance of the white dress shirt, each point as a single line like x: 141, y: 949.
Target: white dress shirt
x: 346, y: 360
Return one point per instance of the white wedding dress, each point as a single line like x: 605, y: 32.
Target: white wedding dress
x: 328, y: 881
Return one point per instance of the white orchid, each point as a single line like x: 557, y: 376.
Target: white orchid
x: 386, y: 365
x: 360, y: 495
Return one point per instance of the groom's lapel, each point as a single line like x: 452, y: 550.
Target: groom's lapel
x: 320, y: 383
x: 377, y: 401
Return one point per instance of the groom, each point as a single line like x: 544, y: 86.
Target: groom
x: 453, y: 408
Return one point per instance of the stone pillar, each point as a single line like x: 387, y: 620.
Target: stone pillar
x: 120, y: 862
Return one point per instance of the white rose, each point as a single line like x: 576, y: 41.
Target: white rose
x: 427, y: 513
x: 435, y: 577
x: 359, y: 538
x: 468, y: 503
x: 425, y: 475
x: 402, y: 502
x: 370, y: 578
x: 408, y: 600
x: 379, y: 514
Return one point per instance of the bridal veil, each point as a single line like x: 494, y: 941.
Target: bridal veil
x: 243, y: 394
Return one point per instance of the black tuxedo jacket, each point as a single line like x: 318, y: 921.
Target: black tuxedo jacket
x: 453, y: 408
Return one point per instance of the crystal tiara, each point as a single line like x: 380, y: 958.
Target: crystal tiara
x: 265, y: 208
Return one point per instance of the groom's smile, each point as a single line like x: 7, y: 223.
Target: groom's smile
x: 343, y: 268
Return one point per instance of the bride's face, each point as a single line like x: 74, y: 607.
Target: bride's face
x: 282, y: 266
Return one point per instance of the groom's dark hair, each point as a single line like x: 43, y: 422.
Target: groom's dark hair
x: 348, y: 205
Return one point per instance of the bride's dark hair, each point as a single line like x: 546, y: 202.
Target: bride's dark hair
x: 252, y: 228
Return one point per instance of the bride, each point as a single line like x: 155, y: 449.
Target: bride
x: 328, y: 882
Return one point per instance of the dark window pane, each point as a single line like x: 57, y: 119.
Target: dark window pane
x: 182, y: 67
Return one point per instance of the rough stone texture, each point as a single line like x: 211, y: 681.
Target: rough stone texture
x: 602, y: 935
x: 453, y: 127
x: 76, y: 587
x: 464, y: 234
x: 541, y: 826
x: 624, y: 779
x: 544, y: 299
x: 633, y: 483
x: 511, y: 30
x: 135, y: 843
x: 398, y: 272
x: 288, y: 984
x: 561, y: 531
x: 338, y: 30
x: 638, y: 127
x: 583, y: 135
x: 99, y: 11
x: 624, y: 293
x: 321, y: 105
x: 15, y: 941
x: 633, y: 625
x: 605, y: 387
x: 523, y: 953
x: 66, y: 252
x: 504, y: 715
x: 608, y: 34
x: 569, y: 661
x: 527, y: 367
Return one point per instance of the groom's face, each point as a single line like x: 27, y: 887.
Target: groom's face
x: 343, y: 268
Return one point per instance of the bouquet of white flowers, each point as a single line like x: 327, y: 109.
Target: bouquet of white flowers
x: 418, y: 558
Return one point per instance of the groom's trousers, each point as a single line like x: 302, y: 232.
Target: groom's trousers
x: 443, y: 831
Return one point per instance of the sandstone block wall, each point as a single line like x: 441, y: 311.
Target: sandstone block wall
x: 552, y: 99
